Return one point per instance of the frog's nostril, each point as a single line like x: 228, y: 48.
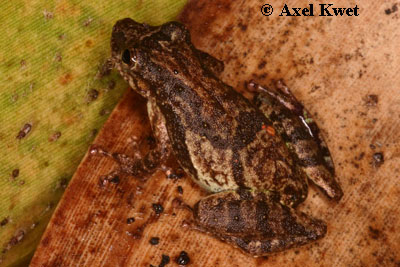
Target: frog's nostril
x: 126, y: 57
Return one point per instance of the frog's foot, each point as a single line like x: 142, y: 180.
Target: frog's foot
x: 281, y: 93
x: 134, y: 166
x: 255, y: 222
x: 301, y: 134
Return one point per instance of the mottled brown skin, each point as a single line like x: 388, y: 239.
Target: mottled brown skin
x: 300, y: 133
x: 226, y: 144
x: 255, y: 222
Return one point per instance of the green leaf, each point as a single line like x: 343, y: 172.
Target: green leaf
x: 50, y: 55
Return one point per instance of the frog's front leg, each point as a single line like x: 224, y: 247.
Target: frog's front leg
x: 255, y: 222
x: 301, y: 134
x: 148, y: 163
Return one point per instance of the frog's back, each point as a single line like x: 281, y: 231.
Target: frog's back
x: 224, y: 142
x: 216, y: 134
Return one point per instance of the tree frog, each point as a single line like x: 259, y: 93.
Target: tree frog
x: 254, y: 157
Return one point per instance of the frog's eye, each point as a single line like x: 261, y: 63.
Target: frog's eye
x: 126, y: 56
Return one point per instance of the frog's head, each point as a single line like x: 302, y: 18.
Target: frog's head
x: 135, y: 45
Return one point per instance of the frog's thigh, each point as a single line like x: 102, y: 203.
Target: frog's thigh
x: 255, y: 223
x: 314, y: 157
x: 209, y: 62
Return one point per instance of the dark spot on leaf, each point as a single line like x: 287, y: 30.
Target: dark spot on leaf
x: 4, y: 221
x: 92, y: 95
x: 154, y: 241
x: 104, y: 112
x: 89, y: 43
x: 391, y: 10
x: 111, y: 84
x: 378, y: 159
x: 24, y: 131
x: 47, y: 14
x: 115, y: 179
x: 183, y: 258
x: 180, y: 189
x: 15, y: 173
x: 130, y: 220
x: 243, y: 27
x: 158, y: 208
x: 55, y: 136
x: 164, y: 260
x: 58, y: 57
x: 65, y: 79
x: 177, y: 174
x: 262, y: 64
x: 374, y: 233
x: 371, y: 100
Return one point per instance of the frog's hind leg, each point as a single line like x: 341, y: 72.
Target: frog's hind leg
x: 150, y: 162
x: 255, y: 222
x: 209, y: 62
x: 301, y: 134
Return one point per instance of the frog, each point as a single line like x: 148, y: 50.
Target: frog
x: 254, y: 157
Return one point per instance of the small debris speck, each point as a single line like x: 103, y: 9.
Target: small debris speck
x: 22, y: 182
x: 180, y: 189
x: 158, y: 208
x: 14, y: 97
x: 55, y: 136
x: 130, y: 220
x: 154, y: 241
x: 24, y: 131
x: 372, y: 146
x: 58, y: 57
x: 92, y: 95
x: 374, y: 233
x: 4, y: 221
x: 111, y: 84
x: 371, y: 100
x: 94, y: 133
x: 15, y: 173
x: 164, y: 260
x: 104, y: 69
x: 63, y: 183
x: 391, y: 10
x: 104, y: 112
x: 115, y: 179
x: 183, y: 258
x: 175, y: 175
x: 47, y: 14
x: 87, y: 22
x: 23, y: 63
x: 103, y: 181
x: 16, y: 239
x: 378, y: 159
